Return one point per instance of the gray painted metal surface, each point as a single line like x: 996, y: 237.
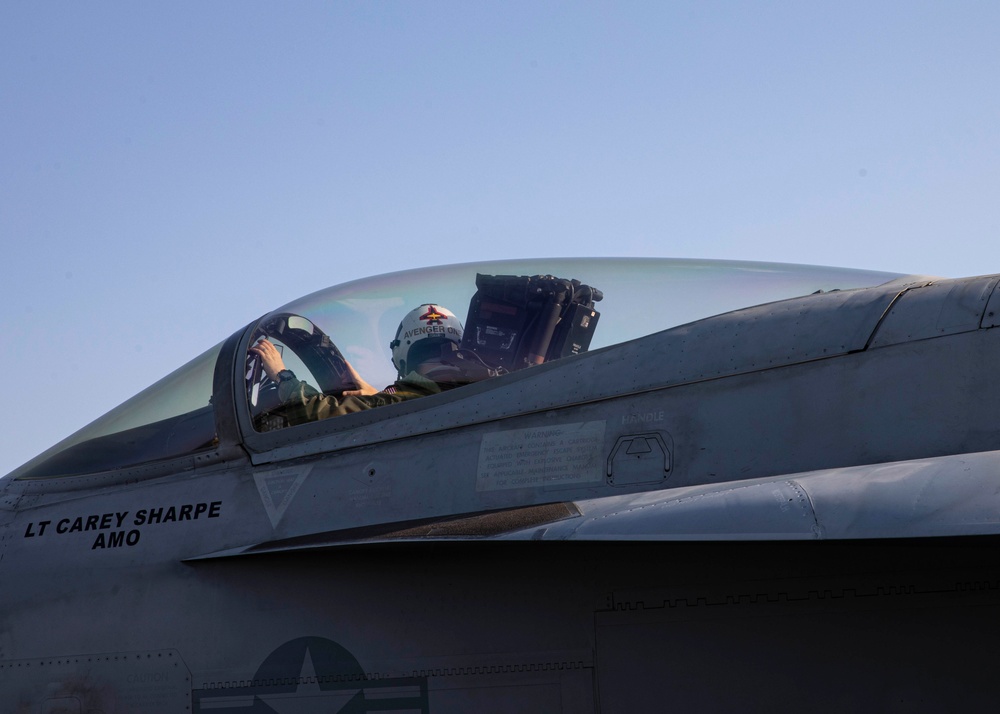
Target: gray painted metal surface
x: 811, y: 482
x: 926, y: 498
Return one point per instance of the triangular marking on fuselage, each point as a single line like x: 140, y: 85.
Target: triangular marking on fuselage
x: 278, y: 488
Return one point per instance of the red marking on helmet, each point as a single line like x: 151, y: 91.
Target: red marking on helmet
x: 432, y: 316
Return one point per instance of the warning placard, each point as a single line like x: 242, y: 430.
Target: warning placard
x: 544, y: 456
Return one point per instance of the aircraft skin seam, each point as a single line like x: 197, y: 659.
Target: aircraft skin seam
x: 817, y: 529
x: 888, y: 309
x: 813, y: 594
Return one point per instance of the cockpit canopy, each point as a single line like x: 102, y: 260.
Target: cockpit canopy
x: 516, y: 313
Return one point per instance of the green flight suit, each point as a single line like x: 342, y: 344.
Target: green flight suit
x: 302, y: 403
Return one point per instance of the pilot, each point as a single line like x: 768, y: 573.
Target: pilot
x: 423, y: 353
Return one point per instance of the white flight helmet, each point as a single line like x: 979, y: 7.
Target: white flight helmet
x: 421, y: 334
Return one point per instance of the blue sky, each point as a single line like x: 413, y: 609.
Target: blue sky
x: 170, y: 171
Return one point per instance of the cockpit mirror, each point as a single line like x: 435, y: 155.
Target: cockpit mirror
x: 297, y: 322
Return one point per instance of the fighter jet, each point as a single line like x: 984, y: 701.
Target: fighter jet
x: 561, y: 485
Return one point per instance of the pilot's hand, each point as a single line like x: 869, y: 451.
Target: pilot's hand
x: 270, y: 359
x: 363, y: 387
